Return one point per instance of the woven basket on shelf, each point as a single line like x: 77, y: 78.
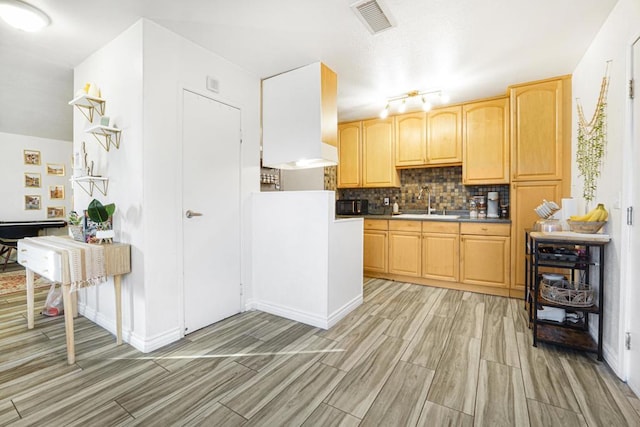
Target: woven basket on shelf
x: 588, y: 227
x: 573, y: 294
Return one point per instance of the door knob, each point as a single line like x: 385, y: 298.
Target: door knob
x: 191, y: 214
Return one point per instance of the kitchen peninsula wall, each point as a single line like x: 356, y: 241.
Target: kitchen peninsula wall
x: 447, y: 190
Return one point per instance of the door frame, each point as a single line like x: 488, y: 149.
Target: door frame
x: 182, y: 87
x: 627, y: 192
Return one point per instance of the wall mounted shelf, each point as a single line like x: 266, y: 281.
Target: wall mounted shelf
x: 89, y: 183
x: 88, y: 104
x: 105, y: 135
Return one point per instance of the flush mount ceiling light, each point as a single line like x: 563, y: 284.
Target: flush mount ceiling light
x: 403, y: 101
x: 23, y: 16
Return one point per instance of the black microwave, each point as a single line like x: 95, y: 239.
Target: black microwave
x: 352, y: 207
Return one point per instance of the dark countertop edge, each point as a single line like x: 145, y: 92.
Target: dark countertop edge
x: 461, y: 219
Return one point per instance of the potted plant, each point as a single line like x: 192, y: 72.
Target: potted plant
x: 75, y: 226
x: 100, y: 214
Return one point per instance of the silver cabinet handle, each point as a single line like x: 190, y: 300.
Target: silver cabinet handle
x: 191, y: 214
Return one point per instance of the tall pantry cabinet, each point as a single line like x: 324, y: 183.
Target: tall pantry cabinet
x: 540, y: 158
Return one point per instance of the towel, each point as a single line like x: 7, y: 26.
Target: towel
x: 82, y: 263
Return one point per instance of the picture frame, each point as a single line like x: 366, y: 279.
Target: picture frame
x: 89, y: 227
x: 31, y: 157
x: 32, y: 202
x: 32, y: 180
x: 56, y: 192
x: 55, y: 212
x: 56, y: 169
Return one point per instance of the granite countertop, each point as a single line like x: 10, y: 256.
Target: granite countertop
x: 463, y: 217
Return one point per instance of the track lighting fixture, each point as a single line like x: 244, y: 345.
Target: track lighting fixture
x: 405, y: 100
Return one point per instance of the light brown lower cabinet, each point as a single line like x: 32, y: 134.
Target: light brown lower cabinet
x: 375, y: 246
x: 440, y: 251
x: 404, y: 248
x: 485, y: 254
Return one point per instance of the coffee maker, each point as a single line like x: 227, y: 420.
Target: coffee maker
x: 492, y: 205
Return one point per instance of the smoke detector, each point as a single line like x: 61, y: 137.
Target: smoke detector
x: 373, y: 14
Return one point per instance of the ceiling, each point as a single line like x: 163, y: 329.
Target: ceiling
x: 468, y: 48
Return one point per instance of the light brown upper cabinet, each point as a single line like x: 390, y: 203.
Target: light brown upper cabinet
x: 486, y: 142
x: 411, y: 139
x: 444, y: 136
x: 378, y: 154
x: 350, y: 155
x: 540, y: 129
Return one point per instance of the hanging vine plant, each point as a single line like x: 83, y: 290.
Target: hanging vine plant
x: 592, y: 141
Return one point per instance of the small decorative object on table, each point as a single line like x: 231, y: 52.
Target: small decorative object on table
x: 100, y: 214
x: 75, y: 226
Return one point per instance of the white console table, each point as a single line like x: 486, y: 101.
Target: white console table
x: 41, y: 256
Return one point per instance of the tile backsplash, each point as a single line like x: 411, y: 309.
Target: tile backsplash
x: 447, y: 190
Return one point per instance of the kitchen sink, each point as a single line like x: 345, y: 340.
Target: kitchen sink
x: 427, y: 216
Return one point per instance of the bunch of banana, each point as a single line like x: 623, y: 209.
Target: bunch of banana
x: 597, y: 214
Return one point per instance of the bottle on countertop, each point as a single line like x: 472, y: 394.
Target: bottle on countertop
x: 473, y: 209
x: 396, y: 208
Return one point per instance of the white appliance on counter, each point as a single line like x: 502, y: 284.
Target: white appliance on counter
x: 307, y: 265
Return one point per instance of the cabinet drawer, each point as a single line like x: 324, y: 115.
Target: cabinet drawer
x: 440, y: 227
x: 375, y: 224
x: 43, y: 261
x: 402, y: 225
x: 485, y: 229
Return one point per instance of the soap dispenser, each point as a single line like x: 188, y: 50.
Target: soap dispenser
x: 396, y: 208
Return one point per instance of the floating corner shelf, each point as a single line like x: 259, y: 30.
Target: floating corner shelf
x: 89, y: 183
x: 105, y: 135
x: 88, y: 104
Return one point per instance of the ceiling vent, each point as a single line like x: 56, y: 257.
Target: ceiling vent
x: 373, y: 14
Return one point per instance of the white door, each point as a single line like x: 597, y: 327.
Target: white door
x: 211, y: 210
x: 633, y: 302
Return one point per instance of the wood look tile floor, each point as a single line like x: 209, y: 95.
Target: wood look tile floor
x: 409, y: 356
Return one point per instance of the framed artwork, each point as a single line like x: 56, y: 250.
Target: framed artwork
x: 55, y: 212
x: 32, y: 180
x: 56, y: 192
x: 89, y: 227
x: 31, y: 157
x: 55, y: 169
x: 32, y: 202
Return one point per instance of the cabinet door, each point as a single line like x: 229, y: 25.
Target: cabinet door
x: 440, y: 256
x: 379, y: 166
x: 404, y: 253
x: 485, y: 260
x: 486, y: 142
x: 525, y: 196
x: 350, y: 155
x: 537, y: 131
x: 411, y: 139
x: 375, y: 251
x: 444, y: 136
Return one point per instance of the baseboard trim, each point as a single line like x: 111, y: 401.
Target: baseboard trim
x: 146, y: 345
x: 143, y: 344
x: 340, y: 313
x: 291, y: 314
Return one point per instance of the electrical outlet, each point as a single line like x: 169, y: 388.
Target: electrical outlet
x: 386, y: 201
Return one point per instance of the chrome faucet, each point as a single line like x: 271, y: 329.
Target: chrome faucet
x: 428, y: 190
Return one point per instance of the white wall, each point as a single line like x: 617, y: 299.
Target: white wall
x: 13, y: 191
x: 172, y: 63
x: 611, y: 43
x: 142, y: 74
x: 117, y: 70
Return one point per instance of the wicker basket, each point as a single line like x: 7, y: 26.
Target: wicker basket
x: 565, y: 292
x: 588, y: 227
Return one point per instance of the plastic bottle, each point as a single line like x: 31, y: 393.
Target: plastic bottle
x: 396, y: 208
